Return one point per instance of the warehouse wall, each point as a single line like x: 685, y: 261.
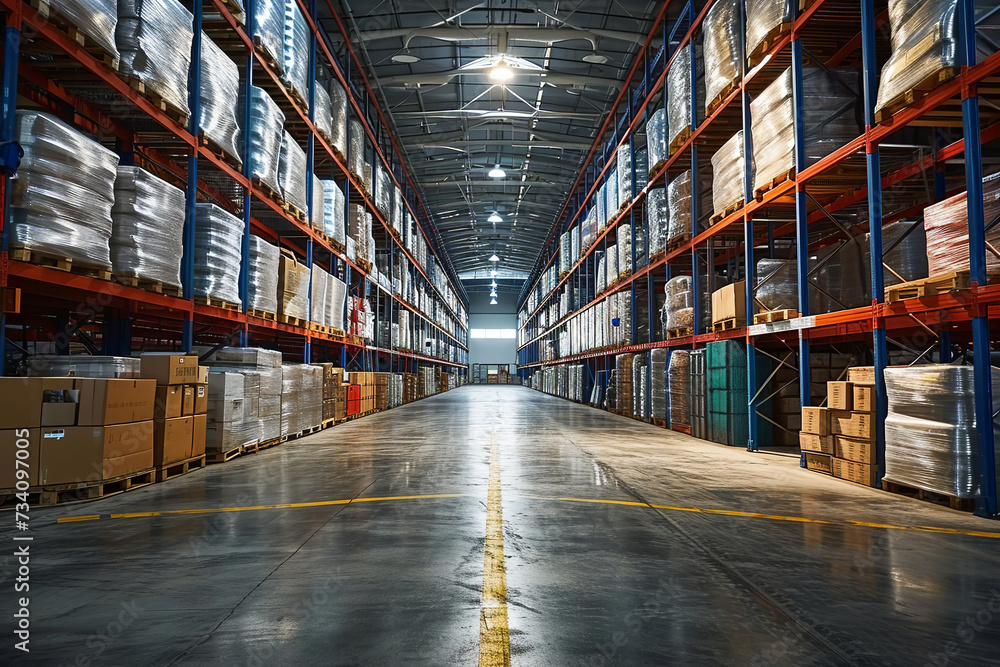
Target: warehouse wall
x: 484, y: 316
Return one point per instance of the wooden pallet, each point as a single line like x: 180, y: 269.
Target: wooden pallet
x: 56, y: 494
x: 273, y: 442
x: 960, y: 504
x: 662, y: 423
x: 219, y: 152
x: 222, y: 457
x: 677, y: 242
x: 216, y: 303
x: 681, y: 428
x: 238, y: 12
x: 679, y: 332
x: 266, y: 55
x: 47, y: 11
x: 263, y: 314
x: 338, y: 333
x: 179, y: 116
x: 319, y: 328
x: 327, y: 423
x: 270, y: 192
x: 163, y: 473
x: 294, y: 211
x: 293, y: 321
x: 786, y: 175
x: 775, y: 316
x: 772, y: 38
x: 679, y: 140
x: 364, y: 264
x: 147, y: 285
x: 727, y: 325
x: 720, y: 98
x: 915, y: 94
x: 67, y: 264
x: 939, y: 284
x: 732, y: 208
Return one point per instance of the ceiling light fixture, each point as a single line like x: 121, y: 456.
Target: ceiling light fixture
x: 595, y: 59
x: 493, y: 302
x: 495, y: 218
x: 494, y: 258
x: 497, y: 172
x: 493, y: 294
x: 406, y: 58
x: 493, y: 284
x: 502, y: 72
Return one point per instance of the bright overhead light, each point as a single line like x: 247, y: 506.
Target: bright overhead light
x: 502, y: 72
x: 405, y: 58
x: 497, y: 172
x: 493, y: 284
x: 494, y: 258
x: 493, y: 302
x: 493, y: 294
x: 493, y: 274
x: 595, y: 59
x: 494, y: 218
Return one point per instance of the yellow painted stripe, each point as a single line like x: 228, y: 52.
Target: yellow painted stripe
x: 494, y: 634
x: 794, y: 519
x: 252, y: 508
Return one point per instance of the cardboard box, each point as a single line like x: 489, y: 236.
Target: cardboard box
x: 852, y: 471
x: 200, y: 399
x: 860, y: 451
x: 819, y: 462
x: 170, y: 368
x: 94, y: 453
x: 9, y: 441
x: 202, y: 375
x: 859, y: 425
x: 168, y: 401
x: 187, y: 401
x: 816, y: 420
x: 730, y: 302
x: 816, y: 443
x: 198, y: 434
x: 172, y: 440
x: 864, y: 398
x: 840, y: 395
x: 60, y: 407
x: 22, y: 398
x: 861, y: 375
x: 109, y: 401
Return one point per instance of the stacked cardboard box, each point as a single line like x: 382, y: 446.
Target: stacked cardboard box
x: 258, y: 395
x: 382, y: 390
x: 180, y: 409
x: 786, y: 406
x: 334, y: 392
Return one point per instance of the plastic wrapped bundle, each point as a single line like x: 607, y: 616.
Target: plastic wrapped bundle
x: 641, y: 169
x: 925, y: 41
x: 398, y: 206
x: 96, y: 19
x: 565, y: 261
x: 656, y: 214
x: 908, y: 258
x: 679, y: 96
x: 147, y: 227
x: 931, y: 439
x: 624, y: 174
x: 85, y: 366
x: 317, y: 208
x: 218, y: 238
x: 62, y: 196
x: 625, y: 248
x: 947, y: 227
x: 727, y: 174
x: 611, y: 193
x: 263, y: 291
x: 640, y: 386
x: 292, y: 173
x: 723, y: 49
x: 678, y: 311
x: 677, y: 388
x: 293, y: 287
x: 383, y: 191
x: 318, y: 295
x: 656, y: 140
x: 764, y: 19
x: 266, y: 137
x: 829, y: 98
x: 356, y: 150
x: 269, y: 30
x: 338, y: 109
x: 612, y: 263
x: 295, y: 50
x: 841, y: 282
x: 334, y: 211
x: 679, y: 207
x: 658, y: 388
x: 602, y: 275
x: 154, y: 39
x: 324, y: 113
x: 220, y: 91
x: 336, y: 298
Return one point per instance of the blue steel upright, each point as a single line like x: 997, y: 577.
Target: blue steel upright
x: 11, y: 153
x: 801, y: 225
x: 750, y: 281
x: 194, y: 103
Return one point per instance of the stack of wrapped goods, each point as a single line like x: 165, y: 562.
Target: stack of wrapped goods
x: 263, y: 290
x: 180, y: 409
x: 361, y: 318
x: 677, y: 390
x: 62, y: 197
x: 301, y: 398
x: 220, y: 90
x: 728, y: 171
x: 218, y: 238
x: 698, y: 393
x: 324, y: 112
x: 246, y: 389
x: 80, y: 431
x: 295, y: 52
x: 293, y: 288
x: 624, y: 249
x: 147, y: 229
x: 656, y: 140
x: 338, y: 107
x: 356, y: 161
x: 907, y: 259
x: 228, y: 428
x: 624, y: 167
x: 359, y: 229
x: 931, y: 437
x: 611, y: 205
x: 841, y: 281
x: 318, y: 295
x: 317, y: 205
x: 679, y: 110
x: 292, y: 174
x: 383, y: 191
x: 766, y: 19
x: 830, y: 101
x: 269, y: 31
x: 565, y: 260
x: 947, y: 226
x: 429, y: 381
x: 97, y: 19
x: 382, y: 391
x: 267, y: 133
x: 678, y: 311
x: 334, y: 213
x: 611, y: 261
x: 656, y: 221
x: 723, y: 49
x: 154, y: 39
x: 658, y: 388
x: 678, y: 217
x: 640, y: 386
x: 84, y: 366
x: 398, y: 207
x: 624, y: 387
x: 336, y: 298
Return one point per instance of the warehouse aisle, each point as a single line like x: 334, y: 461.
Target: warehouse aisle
x: 622, y: 544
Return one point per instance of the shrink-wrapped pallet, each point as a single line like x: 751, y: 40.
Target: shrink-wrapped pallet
x: 931, y: 437
x: 723, y: 49
x: 678, y: 310
x: 147, y: 228
x: 334, y: 211
x: 292, y: 173
x: 829, y: 101
x: 356, y: 161
x: 359, y: 228
x: 658, y: 387
x: 765, y: 18
x: 656, y: 220
x: 624, y: 167
x: 612, y: 263
x: 611, y: 193
x: 85, y: 366
x: 62, y: 196
x: 677, y: 388
x: 602, y: 210
x: 947, y: 227
x: 228, y: 426
x: 317, y: 208
x: 602, y: 275
x: 908, y: 259
x: 301, y: 398
x: 641, y: 169
x: 624, y: 390
x: 293, y: 287
x: 639, y: 386
x: 266, y: 136
x: 840, y: 279
x: 263, y: 291
x: 318, y: 295
x: 398, y: 207
x: 269, y: 30
x: 565, y: 261
x: 336, y: 299
x: 154, y: 40
x: 625, y: 248
x: 220, y: 92
x: 97, y: 19
x: 383, y: 191
x: 218, y: 239
x: 323, y: 113
x: 679, y: 95
x: 656, y: 140
x: 338, y: 109
x: 926, y: 44
x: 679, y: 208
x: 728, y: 172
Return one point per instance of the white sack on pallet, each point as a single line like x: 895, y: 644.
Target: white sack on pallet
x: 656, y: 212
x: 263, y: 292
x: 266, y: 137
x: 625, y: 248
x: 295, y: 50
x: 154, y: 39
x: 269, y: 29
x: 220, y: 92
x: 292, y: 173
x: 147, y: 227
x: 218, y: 243
x: 97, y: 19
x: 678, y: 375
x: 62, y: 195
x: 678, y: 310
x: 334, y: 211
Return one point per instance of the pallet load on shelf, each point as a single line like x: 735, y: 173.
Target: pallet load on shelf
x: 624, y: 387
x: 429, y: 380
x: 154, y: 39
x: 677, y: 389
x: 361, y: 319
x: 62, y: 197
x: 383, y: 191
x: 220, y: 91
x: 331, y: 384
x: 334, y: 212
x: 611, y: 203
x: 323, y: 115
x: 947, y: 227
x: 729, y: 305
x: 658, y: 387
x: 907, y: 259
x: 267, y: 122
x: 624, y: 249
x: 656, y: 216
x: 338, y: 108
x: 295, y: 51
x: 723, y: 49
x: 269, y: 31
x: 641, y: 168
x: 611, y: 260
x: 84, y: 366
x: 398, y: 207
x: 292, y: 173
x: 678, y: 311
x: 728, y: 175
x: 640, y: 383
x: 678, y: 217
x: 317, y: 205
x: 656, y: 140
x: 830, y: 99
x: 147, y: 228
x: 301, y: 398
x: 679, y: 112
x: 218, y: 238
x: 97, y: 19
x: 318, y: 292
x: 262, y: 294
x: 180, y: 407
x: 698, y: 394
x: 336, y: 297
x: 293, y: 287
x: 624, y: 167
x: 840, y: 282
x: 565, y: 261
x: 925, y: 48
x: 766, y: 19
x: 359, y: 228
x: 931, y: 437
x: 356, y: 160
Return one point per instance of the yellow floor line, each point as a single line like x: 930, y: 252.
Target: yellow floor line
x: 251, y: 508
x: 494, y: 634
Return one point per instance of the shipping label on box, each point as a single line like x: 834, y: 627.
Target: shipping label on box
x: 852, y: 471
x: 200, y: 399
x: 859, y: 425
x: 864, y: 398
x: 121, y: 401
x: 816, y: 443
x: 816, y: 420
x: 861, y: 451
x: 819, y: 462
x: 861, y: 374
x: 840, y: 395
x: 171, y: 368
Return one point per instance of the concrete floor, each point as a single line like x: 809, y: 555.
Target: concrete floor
x: 681, y: 570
